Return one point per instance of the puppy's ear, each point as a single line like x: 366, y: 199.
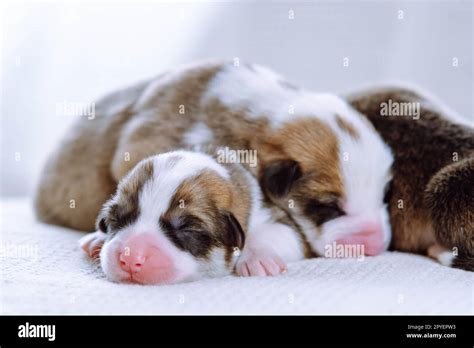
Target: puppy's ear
x: 278, y: 177
x: 234, y: 235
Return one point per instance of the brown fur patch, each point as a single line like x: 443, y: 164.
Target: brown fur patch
x: 126, y: 209
x: 347, y: 127
x: 235, y: 129
x: 202, y: 193
x: 315, y: 147
x: 158, y: 125
x: 131, y: 188
x: 208, y: 197
x: 450, y: 199
x: 76, y: 180
x: 80, y: 175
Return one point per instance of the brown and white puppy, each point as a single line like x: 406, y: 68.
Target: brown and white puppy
x: 319, y: 160
x: 432, y: 194
x: 182, y: 216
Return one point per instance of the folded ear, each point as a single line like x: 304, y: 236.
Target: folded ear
x: 234, y: 234
x: 278, y: 177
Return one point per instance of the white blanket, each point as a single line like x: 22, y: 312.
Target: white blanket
x: 44, y: 272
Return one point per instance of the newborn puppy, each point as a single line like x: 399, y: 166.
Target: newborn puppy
x: 432, y: 192
x: 318, y: 159
x: 181, y: 216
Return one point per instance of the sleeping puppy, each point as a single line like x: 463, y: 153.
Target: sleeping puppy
x: 318, y: 160
x: 432, y: 193
x: 182, y: 216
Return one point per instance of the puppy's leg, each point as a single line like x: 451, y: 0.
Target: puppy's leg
x: 441, y: 254
x: 269, y: 246
x: 449, y: 196
x: 92, y: 243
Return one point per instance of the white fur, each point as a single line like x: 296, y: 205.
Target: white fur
x: 365, y: 174
x: 92, y: 236
x: 156, y: 194
x: 265, y: 234
x: 258, y: 90
x: 215, y: 265
x: 365, y: 167
x: 446, y: 258
x: 443, y: 255
x: 258, y: 214
x: 198, y: 135
x: 276, y: 237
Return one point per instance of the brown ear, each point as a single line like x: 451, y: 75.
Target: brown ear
x: 234, y: 235
x: 278, y: 177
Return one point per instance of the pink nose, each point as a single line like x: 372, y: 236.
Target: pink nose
x: 132, y: 261
x: 371, y: 238
x: 142, y: 256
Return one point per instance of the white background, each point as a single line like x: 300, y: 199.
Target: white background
x: 55, y: 52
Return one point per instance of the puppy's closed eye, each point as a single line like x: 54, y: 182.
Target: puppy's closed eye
x: 188, y: 234
x: 197, y: 242
x: 322, y: 212
x: 115, y: 217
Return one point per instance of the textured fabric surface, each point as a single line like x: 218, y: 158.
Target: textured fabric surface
x: 44, y: 271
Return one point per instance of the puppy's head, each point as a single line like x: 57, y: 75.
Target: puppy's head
x: 170, y: 221
x: 331, y: 174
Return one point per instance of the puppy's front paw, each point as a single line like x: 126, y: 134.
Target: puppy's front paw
x: 92, y: 243
x: 259, y: 263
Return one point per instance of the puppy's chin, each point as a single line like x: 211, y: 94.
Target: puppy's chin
x: 161, y: 277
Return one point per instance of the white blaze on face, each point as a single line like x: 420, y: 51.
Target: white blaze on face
x: 156, y: 195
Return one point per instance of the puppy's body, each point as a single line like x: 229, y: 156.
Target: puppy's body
x: 319, y: 160
x: 181, y: 215
x: 432, y: 195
